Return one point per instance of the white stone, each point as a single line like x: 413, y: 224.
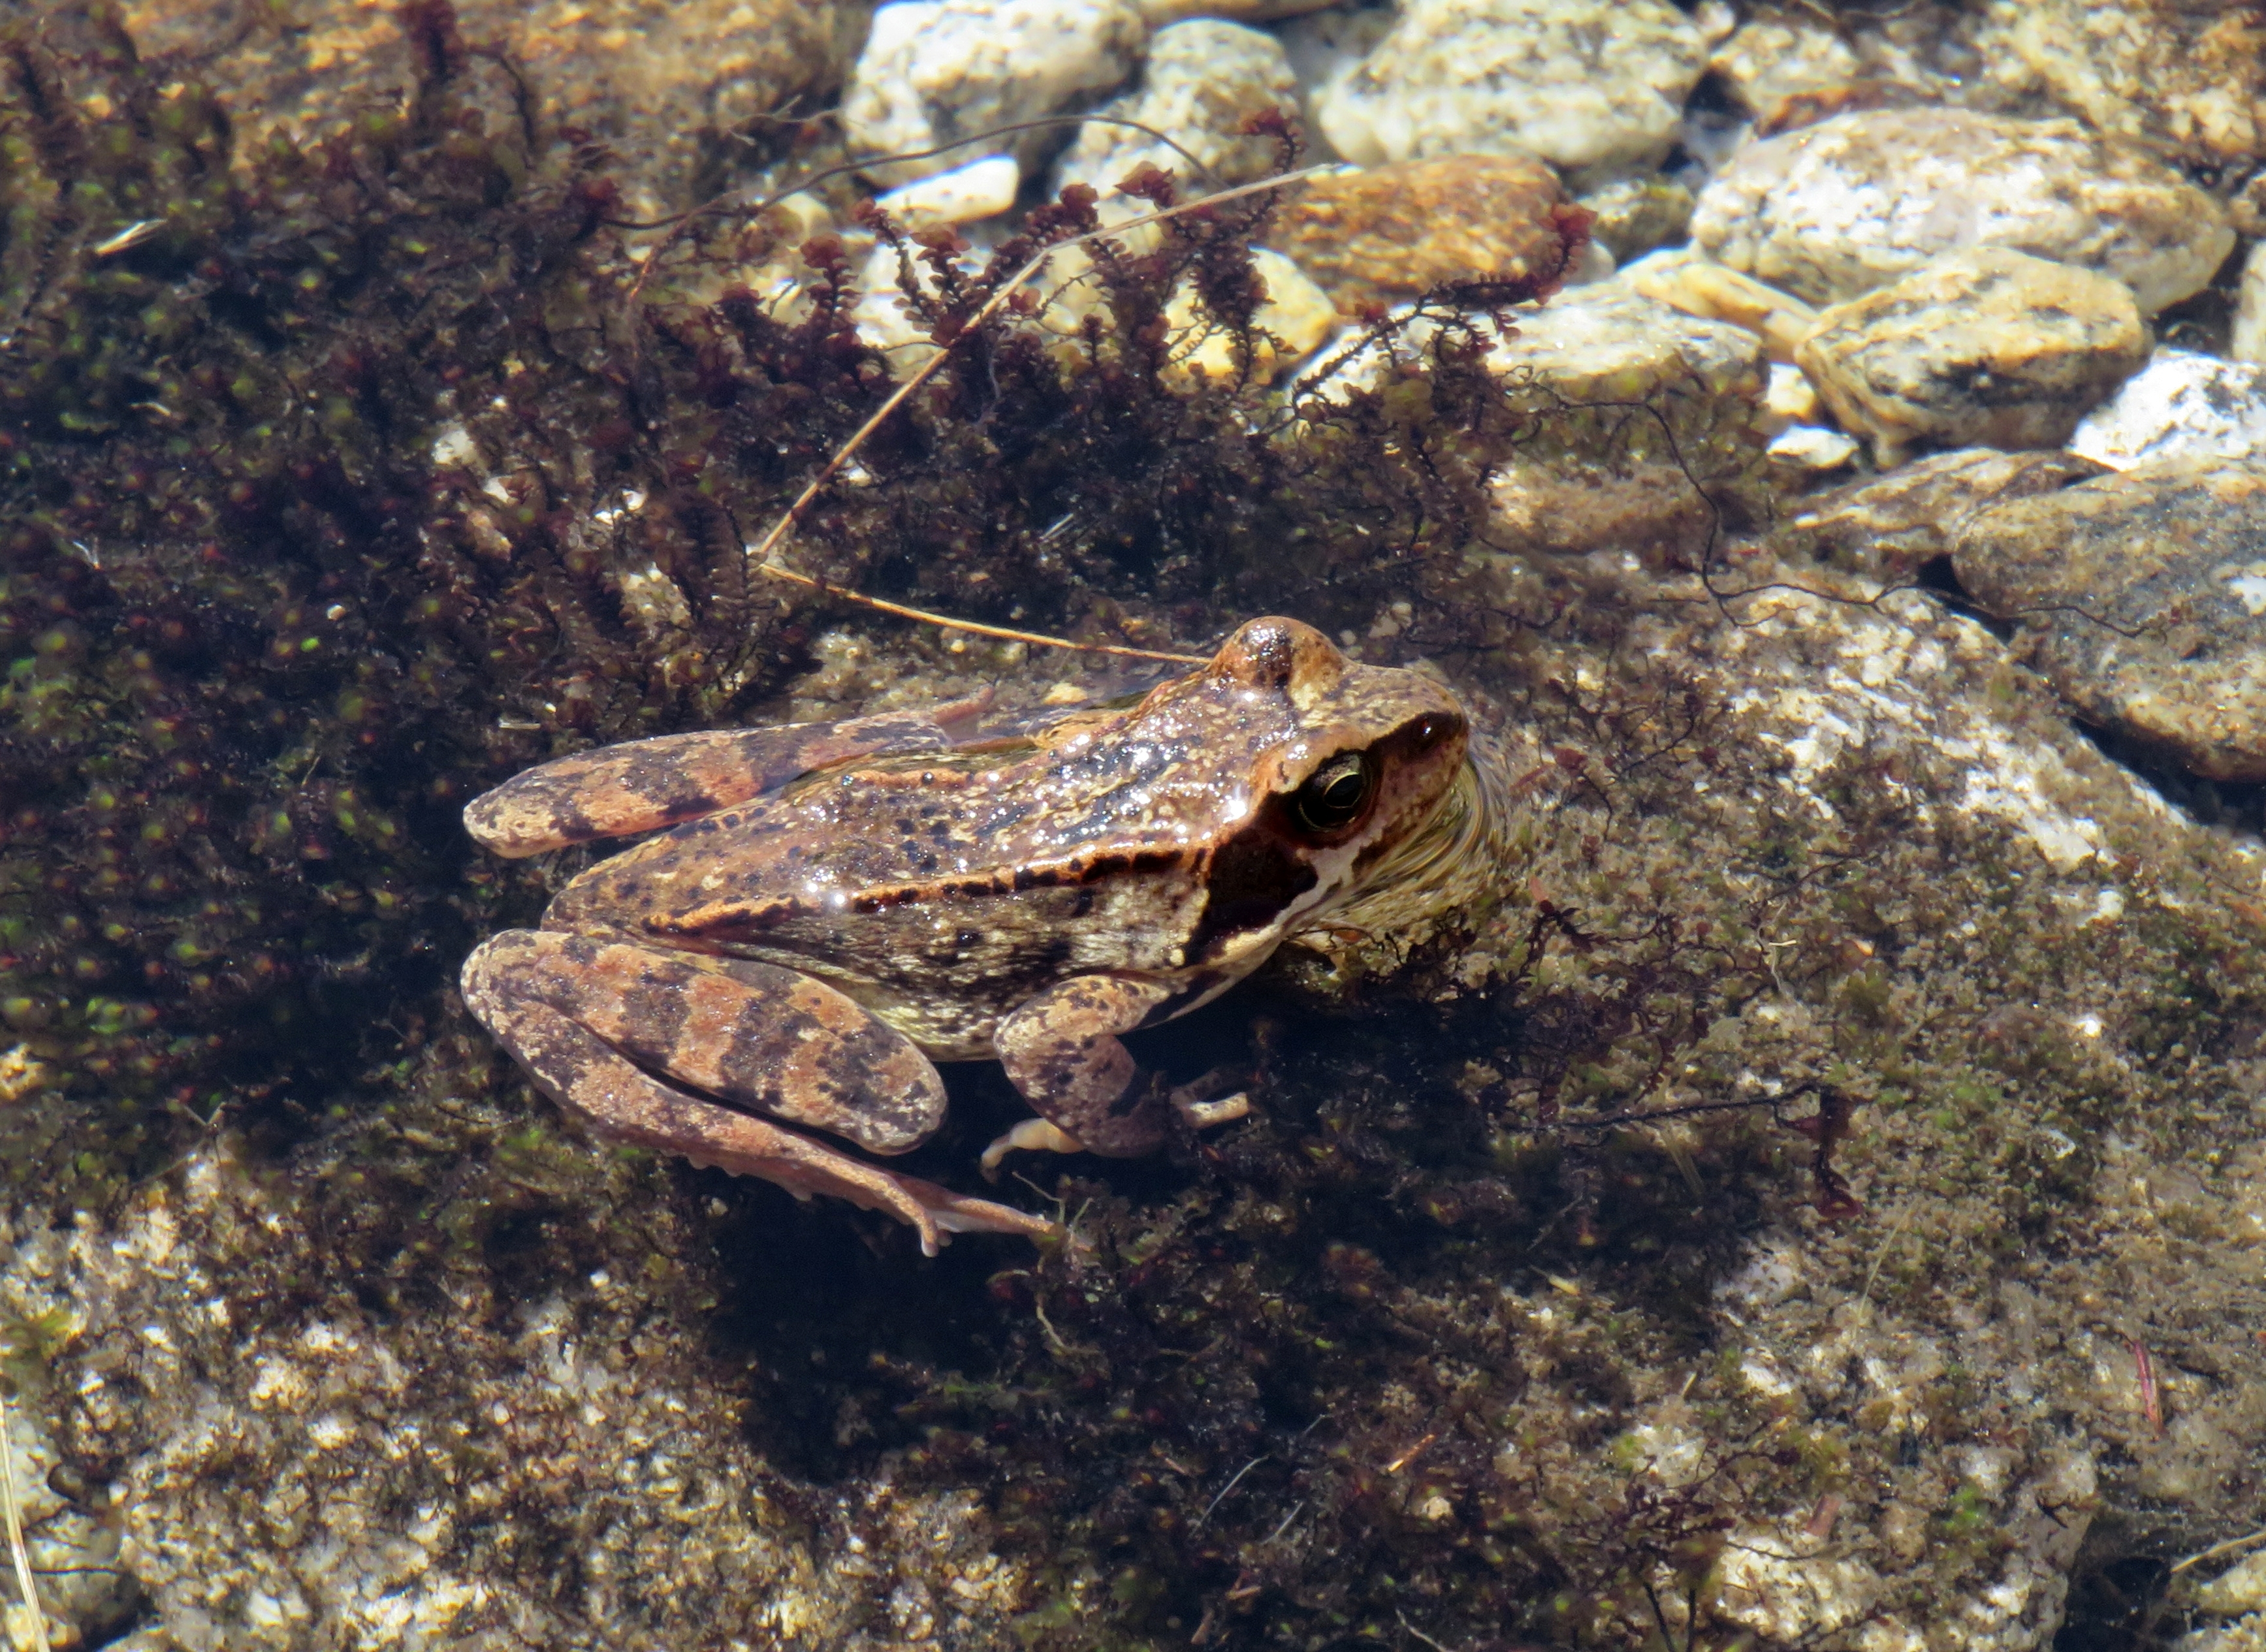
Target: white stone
x: 1606, y: 342
x: 1323, y: 50
x: 1789, y: 398
x: 1202, y: 80
x: 2240, y: 1588
x: 2248, y: 343
x: 981, y: 189
x: 1777, y: 56
x: 1296, y: 318
x: 1494, y: 77
x: 937, y: 70
x: 1834, y: 210
x: 1812, y: 448
x: 2181, y: 405
x: 2244, y: 1634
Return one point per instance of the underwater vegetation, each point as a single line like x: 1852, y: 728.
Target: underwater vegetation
x: 341, y: 480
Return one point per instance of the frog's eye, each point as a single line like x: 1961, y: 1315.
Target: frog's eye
x: 1336, y: 794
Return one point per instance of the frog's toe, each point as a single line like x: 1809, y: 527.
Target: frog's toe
x: 1204, y: 1115
x: 957, y: 1213
x: 1037, y: 1136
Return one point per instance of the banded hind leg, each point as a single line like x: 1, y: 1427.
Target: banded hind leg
x: 641, y: 786
x: 634, y: 1042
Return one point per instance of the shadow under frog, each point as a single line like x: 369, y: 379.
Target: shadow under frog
x: 836, y: 907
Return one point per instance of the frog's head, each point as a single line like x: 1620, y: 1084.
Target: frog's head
x: 1361, y: 759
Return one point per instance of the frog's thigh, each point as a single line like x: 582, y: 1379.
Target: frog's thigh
x: 594, y: 1083
x: 1062, y: 1051
x: 755, y: 1034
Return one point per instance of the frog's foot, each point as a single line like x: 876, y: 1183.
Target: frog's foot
x: 1045, y: 1136
x: 1061, y: 1049
x: 579, y: 1060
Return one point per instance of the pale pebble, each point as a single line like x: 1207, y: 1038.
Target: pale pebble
x: 2241, y: 1588
x: 2248, y: 341
x: 937, y: 70
x: 2181, y: 406
x: 1294, y: 320
x: 1836, y: 209
x: 1502, y: 77
x: 1789, y: 398
x: 1811, y: 448
x: 981, y: 189
x: 1984, y: 346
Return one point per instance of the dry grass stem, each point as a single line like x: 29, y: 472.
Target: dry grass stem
x: 12, y: 1512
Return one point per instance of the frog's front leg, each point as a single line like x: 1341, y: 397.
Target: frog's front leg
x: 1063, y: 1052
x: 587, y: 1017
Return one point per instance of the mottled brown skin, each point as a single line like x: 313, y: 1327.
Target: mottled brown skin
x: 836, y: 906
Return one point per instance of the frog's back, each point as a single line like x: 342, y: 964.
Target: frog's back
x: 941, y: 891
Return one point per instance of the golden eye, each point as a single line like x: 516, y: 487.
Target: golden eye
x: 1336, y: 794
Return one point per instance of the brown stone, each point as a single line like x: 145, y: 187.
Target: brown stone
x: 2182, y: 77
x: 1388, y: 233
x: 1982, y: 347
x: 1892, y: 526
x: 2141, y: 596
x: 663, y: 84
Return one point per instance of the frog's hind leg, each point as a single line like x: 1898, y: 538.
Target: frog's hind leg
x: 1062, y: 1051
x: 512, y: 983
x: 641, y: 786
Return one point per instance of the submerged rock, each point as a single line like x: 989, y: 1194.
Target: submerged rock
x: 1983, y: 346
x: 1680, y: 277
x: 1834, y: 210
x: 2181, y: 406
x: 979, y: 189
x: 1520, y: 76
x: 2248, y: 342
x: 1892, y: 526
x: 1779, y: 56
x: 1387, y: 233
x: 1633, y: 216
x: 1290, y: 324
x: 1201, y: 82
x: 937, y: 70
x: 2141, y: 595
x: 2188, y: 78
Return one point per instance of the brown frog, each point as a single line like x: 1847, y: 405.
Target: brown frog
x: 834, y: 907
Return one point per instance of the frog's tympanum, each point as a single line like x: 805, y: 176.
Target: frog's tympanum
x: 834, y: 907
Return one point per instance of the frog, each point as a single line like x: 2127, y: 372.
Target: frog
x: 818, y: 914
